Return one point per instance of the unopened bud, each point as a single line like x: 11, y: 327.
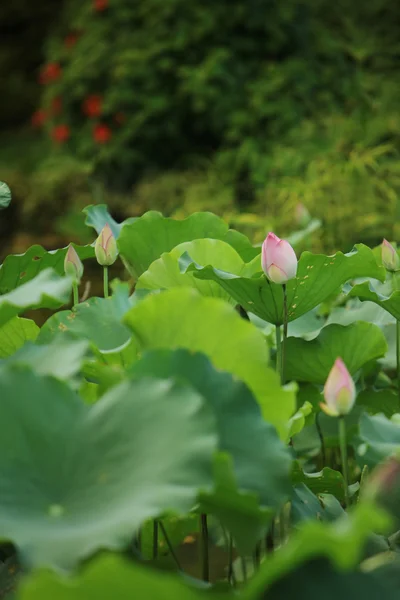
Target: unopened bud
x: 73, y: 266
x: 278, y: 259
x: 106, y: 247
x: 339, y: 391
x: 390, y: 258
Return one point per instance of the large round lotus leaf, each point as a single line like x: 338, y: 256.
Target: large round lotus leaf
x: 356, y: 344
x: 109, y: 577
x: 261, y: 461
x: 318, y: 277
x: 46, y: 290
x: 165, y: 272
x: 147, y: 238
x: 75, y: 478
x: 367, y: 292
x: 15, y: 333
x: 5, y: 195
x: 18, y: 269
x: 97, y: 320
x: 97, y: 216
x: 182, y: 318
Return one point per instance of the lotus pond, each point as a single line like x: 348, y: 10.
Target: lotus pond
x: 167, y: 440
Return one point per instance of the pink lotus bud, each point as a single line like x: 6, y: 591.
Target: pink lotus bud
x: 303, y: 217
x: 339, y: 391
x: 73, y: 266
x: 390, y: 258
x: 278, y: 259
x: 106, y: 247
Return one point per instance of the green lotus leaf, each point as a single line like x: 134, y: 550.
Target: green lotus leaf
x: 318, y: 277
x: 182, y: 318
x: 5, y: 195
x: 75, y: 478
x: 46, y: 290
x: 97, y: 216
x: 106, y: 577
x: 143, y: 241
x: 311, y: 361
x: 18, y: 269
x: 261, y: 461
x: 15, y: 333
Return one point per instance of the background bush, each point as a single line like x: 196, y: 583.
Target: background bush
x: 237, y: 106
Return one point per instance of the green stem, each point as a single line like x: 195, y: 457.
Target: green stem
x: 231, y: 572
x: 398, y: 356
x: 155, y: 539
x: 170, y: 546
x: 105, y: 281
x: 244, y: 568
x: 395, y: 288
x: 343, y: 453
x: 321, y: 439
x: 278, y: 350
x: 204, y: 540
x: 75, y: 292
x: 285, y: 331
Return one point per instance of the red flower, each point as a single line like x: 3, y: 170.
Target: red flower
x: 100, y: 5
x: 38, y: 118
x: 71, y: 39
x: 102, y: 133
x: 49, y: 73
x: 60, y: 133
x: 92, y: 105
x: 56, y: 105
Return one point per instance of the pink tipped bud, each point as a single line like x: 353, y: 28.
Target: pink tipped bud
x: 339, y: 391
x: 73, y: 266
x: 303, y: 217
x: 106, y: 247
x: 278, y: 259
x: 390, y: 258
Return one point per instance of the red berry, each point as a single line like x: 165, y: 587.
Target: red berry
x: 100, y: 5
x: 38, y: 118
x: 60, y: 133
x: 50, y: 72
x: 102, y: 133
x: 92, y: 105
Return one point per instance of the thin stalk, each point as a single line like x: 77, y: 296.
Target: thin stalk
x: 321, y: 439
x: 278, y: 350
x: 343, y: 453
x: 395, y: 288
x: 257, y: 556
x: 155, y: 539
x: 231, y: 572
x: 204, y: 547
x: 75, y: 292
x: 105, y: 281
x: 398, y: 356
x: 285, y: 331
x: 270, y: 538
x: 170, y: 546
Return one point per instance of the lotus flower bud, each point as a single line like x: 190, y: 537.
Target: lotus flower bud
x: 339, y: 391
x: 303, y: 217
x: 278, y: 259
x: 390, y: 258
x: 73, y: 266
x: 106, y: 247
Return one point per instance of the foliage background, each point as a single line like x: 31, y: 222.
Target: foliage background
x: 246, y: 108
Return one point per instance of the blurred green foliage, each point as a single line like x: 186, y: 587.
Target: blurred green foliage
x: 23, y: 26
x: 243, y: 107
